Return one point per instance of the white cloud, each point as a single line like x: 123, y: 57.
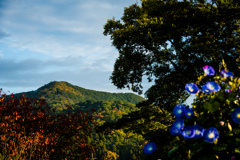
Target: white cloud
x: 3, y: 34
x: 98, y: 6
x: 44, y: 28
x: 1, y: 55
x: 68, y: 32
x: 32, y: 74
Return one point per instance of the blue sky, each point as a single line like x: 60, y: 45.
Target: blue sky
x: 58, y: 40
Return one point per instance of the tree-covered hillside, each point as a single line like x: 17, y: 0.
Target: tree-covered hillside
x: 109, y: 107
x: 109, y: 111
x: 58, y: 94
x: 118, y: 144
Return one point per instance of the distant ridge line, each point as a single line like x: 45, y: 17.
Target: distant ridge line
x: 57, y: 93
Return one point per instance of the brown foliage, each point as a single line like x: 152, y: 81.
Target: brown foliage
x: 26, y: 123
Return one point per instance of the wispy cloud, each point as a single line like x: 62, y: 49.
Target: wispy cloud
x: 1, y: 55
x: 61, y: 30
x: 31, y: 74
x: 67, y: 33
x: 3, y: 34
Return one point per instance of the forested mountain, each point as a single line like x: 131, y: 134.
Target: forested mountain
x: 109, y: 111
x: 109, y: 108
x: 58, y: 94
x: 118, y: 145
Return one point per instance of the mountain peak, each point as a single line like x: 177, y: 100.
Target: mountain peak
x: 62, y: 92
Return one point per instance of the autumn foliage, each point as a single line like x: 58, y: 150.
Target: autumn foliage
x: 29, y: 131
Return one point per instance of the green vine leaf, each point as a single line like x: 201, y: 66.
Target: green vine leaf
x: 212, y: 107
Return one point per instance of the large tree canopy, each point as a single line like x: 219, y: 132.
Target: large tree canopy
x: 169, y: 41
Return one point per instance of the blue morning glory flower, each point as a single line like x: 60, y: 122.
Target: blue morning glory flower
x: 236, y: 115
x: 150, y: 147
x: 177, y: 126
x: 226, y: 74
x: 210, y: 135
x: 189, y: 112
x: 188, y: 132
x: 198, y: 131
x: 191, y: 88
x: 178, y: 111
x: 213, y: 86
x: 208, y: 70
x: 204, y: 88
x: 175, y: 131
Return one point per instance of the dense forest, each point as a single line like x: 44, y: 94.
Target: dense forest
x: 109, y: 108
x: 118, y: 144
x: 58, y: 94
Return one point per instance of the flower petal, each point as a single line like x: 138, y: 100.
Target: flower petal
x: 189, y: 112
x: 210, y: 135
x: 204, y: 88
x: 178, y: 111
x: 175, y: 131
x: 188, y: 132
x: 236, y: 115
x: 150, y: 147
x: 208, y: 70
x: 198, y: 131
x: 177, y: 127
x: 191, y: 88
x: 213, y: 86
x: 226, y: 74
